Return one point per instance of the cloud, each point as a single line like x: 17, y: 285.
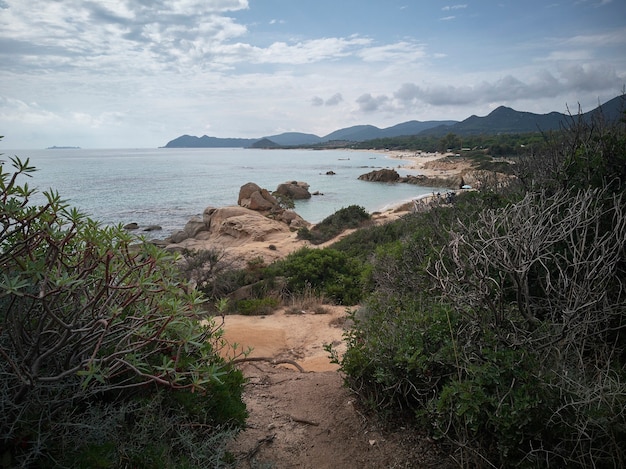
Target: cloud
x: 447, y: 18
x: 368, y: 103
x: 117, y: 35
x: 454, y: 7
x: 543, y: 84
x: 588, y: 78
x: 303, y: 52
x: 334, y: 100
x: 403, y: 51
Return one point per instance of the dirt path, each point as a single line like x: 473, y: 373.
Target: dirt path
x: 309, y: 419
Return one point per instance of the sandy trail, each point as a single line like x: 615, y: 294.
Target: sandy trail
x: 310, y: 419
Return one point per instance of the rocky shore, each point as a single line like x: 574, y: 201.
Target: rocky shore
x: 260, y: 227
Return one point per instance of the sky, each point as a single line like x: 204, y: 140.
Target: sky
x: 138, y: 73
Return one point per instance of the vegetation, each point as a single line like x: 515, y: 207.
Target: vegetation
x: 496, y: 145
x: 107, y: 359
x: 343, y: 219
x: 498, y: 325
x: 328, y: 272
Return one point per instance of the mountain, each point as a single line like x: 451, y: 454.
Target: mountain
x: 361, y: 133
x: 504, y: 120
x: 611, y: 110
x: 265, y: 143
x: 294, y: 138
x: 190, y: 141
x: 500, y: 120
x: 356, y: 133
x: 413, y: 128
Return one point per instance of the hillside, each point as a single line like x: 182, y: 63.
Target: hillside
x: 501, y: 120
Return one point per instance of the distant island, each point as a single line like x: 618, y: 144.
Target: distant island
x: 502, y: 120
x: 62, y: 148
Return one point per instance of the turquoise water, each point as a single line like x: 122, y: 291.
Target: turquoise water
x: 167, y: 187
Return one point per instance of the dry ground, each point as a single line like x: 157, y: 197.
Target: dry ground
x: 310, y: 419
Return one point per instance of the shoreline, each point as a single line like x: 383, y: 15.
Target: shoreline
x: 269, y: 242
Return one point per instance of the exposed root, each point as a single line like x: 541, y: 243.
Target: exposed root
x: 273, y: 361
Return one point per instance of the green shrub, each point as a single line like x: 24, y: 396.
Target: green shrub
x: 530, y: 369
x: 498, y: 405
x: 327, y: 271
x: 352, y: 216
x: 256, y: 306
x: 399, y: 355
x: 95, y: 326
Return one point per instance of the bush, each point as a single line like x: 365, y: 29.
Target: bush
x: 343, y: 219
x: 496, y: 405
x: 256, y: 306
x: 96, y: 325
x: 329, y: 272
x: 399, y: 355
x: 530, y: 371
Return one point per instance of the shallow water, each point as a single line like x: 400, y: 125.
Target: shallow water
x: 167, y: 187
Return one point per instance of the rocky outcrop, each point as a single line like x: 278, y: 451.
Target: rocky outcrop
x: 258, y: 218
x: 452, y: 182
x: 254, y: 197
x: 381, y: 175
x: 295, y: 190
x: 391, y: 175
x: 228, y: 226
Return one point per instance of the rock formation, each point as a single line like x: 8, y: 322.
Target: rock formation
x: 255, y: 198
x: 381, y: 175
x: 257, y: 218
x: 295, y: 190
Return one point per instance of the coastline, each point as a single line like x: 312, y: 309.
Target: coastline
x: 276, y: 243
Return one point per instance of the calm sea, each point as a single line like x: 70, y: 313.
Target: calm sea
x: 167, y: 187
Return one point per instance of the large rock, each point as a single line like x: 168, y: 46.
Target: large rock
x: 194, y: 226
x: 254, y: 197
x: 235, y: 225
x: 295, y: 190
x: 292, y: 219
x: 381, y: 175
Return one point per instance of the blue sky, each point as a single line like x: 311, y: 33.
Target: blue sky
x: 138, y: 73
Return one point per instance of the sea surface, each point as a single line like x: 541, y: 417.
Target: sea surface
x: 167, y: 186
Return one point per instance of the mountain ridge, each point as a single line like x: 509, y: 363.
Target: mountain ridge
x: 501, y: 120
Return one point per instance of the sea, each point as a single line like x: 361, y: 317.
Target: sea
x: 167, y: 187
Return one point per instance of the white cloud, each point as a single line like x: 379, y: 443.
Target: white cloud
x: 508, y: 89
x: 400, y: 51
x: 139, y: 69
x: 454, y: 7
